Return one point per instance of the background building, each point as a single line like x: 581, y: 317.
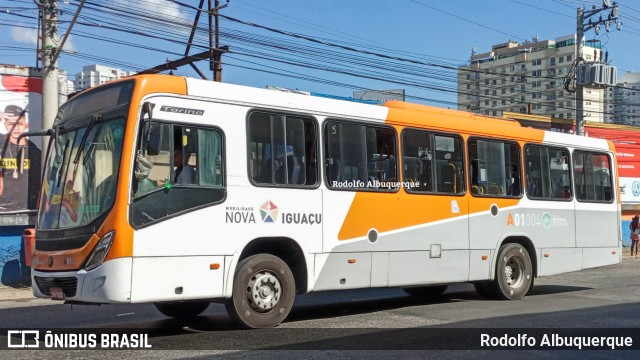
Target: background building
x: 623, y: 100
x: 528, y: 78
x: 65, y: 86
x: 93, y: 75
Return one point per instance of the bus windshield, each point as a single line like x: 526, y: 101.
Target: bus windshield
x: 81, y: 175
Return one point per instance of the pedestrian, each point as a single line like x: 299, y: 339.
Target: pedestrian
x: 635, y: 234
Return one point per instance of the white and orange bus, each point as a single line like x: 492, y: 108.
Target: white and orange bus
x: 180, y: 192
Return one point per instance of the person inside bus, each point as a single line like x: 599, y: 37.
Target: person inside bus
x: 514, y: 187
x: 184, y: 173
x: 143, y: 184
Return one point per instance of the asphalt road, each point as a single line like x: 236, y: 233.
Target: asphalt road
x: 370, y: 323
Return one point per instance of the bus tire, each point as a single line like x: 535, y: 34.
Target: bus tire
x: 514, y: 272
x: 263, y: 292
x: 182, y: 309
x: 426, y: 291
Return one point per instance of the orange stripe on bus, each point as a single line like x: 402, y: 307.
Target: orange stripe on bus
x: 402, y: 210
x: 458, y: 122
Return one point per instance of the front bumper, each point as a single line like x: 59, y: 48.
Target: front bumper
x: 88, y: 286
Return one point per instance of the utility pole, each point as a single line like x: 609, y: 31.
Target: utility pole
x: 217, y: 56
x: 581, y: 28
x: 50, y: 101
x: 579, y: 87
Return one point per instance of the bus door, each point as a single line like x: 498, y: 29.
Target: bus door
x: 178, y: 186
x: 596, y: 207
x: 495, y: 174
x: 547, y: 216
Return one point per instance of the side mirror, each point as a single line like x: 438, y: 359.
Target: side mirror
x: 154, y: 138
x: 147, y: 108
x: 21, y: 155
x: 152, y: 133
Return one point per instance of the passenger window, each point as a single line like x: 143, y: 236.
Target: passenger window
x: 547, y: 173
x: 494, y: 168
x: 186, y: 172
x: 592, y: 174
x: 360, y: 157
x: 282, y: 150
x: 432, y: 163
x: 197, y: 157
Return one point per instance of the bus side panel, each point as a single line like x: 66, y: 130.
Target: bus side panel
x: 412, y: 225
x: 162, y: 278
x: 487, y: 230
x: 265, y: 213
x: 336, y: 206
x: 420, y: 268
x: 548, y: 224
x: 480, y: 264
x: 596, y: 225
x: 343, y: 271
x: 595, y: 257
x: 560, y: 260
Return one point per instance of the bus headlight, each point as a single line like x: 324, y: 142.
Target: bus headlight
x: 100, y: 251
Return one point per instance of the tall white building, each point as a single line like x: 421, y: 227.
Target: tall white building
x: 93, y: 75
x: 623, y: 100
x: 528, y: 78
x: 65, y: 86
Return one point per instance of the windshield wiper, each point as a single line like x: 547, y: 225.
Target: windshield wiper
x: 94, y: 119
x: 59, y: 159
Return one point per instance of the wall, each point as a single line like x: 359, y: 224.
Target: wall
x: 13, y: 269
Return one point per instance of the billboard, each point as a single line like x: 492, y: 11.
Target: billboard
x: 20, y: 111
x: 627, y: 144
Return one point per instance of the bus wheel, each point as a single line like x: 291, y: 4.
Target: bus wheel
x: 514, y: 272
x: 426, y: 291
x: 182, y: 309
x: 263, y: 292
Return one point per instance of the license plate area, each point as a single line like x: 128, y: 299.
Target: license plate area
x: 56, y: 293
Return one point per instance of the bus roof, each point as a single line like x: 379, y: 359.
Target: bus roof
x: 393, y: 112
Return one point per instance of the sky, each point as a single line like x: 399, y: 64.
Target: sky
x: 330, y: 46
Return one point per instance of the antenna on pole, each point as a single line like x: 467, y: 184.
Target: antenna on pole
x: 214, y: 54
x: 592, y: 74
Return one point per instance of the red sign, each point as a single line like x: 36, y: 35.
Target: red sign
x: 627, y: 148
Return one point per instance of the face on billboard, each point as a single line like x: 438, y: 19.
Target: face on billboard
x: 15, y: 125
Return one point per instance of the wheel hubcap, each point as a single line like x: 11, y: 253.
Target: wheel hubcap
x: 514, y: 272
x: 263, y: 291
